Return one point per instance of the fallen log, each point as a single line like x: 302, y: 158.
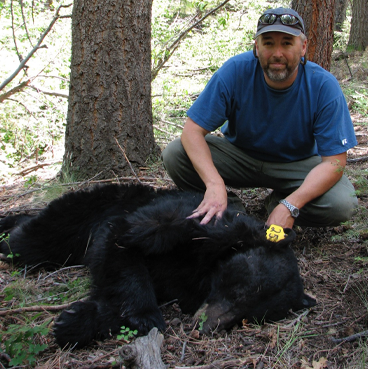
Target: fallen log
x: 144, y: 352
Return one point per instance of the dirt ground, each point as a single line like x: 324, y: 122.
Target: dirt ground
x: 333, y: 264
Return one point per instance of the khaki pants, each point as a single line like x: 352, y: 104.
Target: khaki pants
x: 239, y: 170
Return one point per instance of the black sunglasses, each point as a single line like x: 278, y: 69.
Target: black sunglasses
x: 286, y: 19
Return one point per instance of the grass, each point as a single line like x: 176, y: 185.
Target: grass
x: 24, y: 292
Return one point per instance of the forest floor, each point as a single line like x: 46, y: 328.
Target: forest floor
x: 333, y: 263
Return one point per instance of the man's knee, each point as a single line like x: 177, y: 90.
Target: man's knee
x: 331, y: 209
x: 179, y: 167
x: 172, y: 154
x: 336, y: 206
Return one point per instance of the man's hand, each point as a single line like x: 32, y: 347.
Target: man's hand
x: 281, y: 216
x: 215, y: 198
x: 213, y: 204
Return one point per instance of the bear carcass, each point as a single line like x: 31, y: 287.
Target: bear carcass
x: 142, y: 250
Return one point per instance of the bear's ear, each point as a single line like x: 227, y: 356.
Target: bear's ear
x: 291, y: 235
x: 285, y: 242
x: 304, y: 302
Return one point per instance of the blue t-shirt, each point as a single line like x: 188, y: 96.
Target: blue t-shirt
x: 309, y: 118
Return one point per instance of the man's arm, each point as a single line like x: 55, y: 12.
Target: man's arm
x: 215, y: 198
x: 319, y: 180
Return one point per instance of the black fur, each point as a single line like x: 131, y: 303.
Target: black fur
x: 141, y: 250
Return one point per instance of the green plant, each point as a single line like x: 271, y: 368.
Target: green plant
x: 20, y: 343
x: 5, y: 238
x: 202, y: 319
x: 126, y: 334
x: 360, y: 101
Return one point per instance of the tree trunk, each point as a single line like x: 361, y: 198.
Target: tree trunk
x: 340, y: 13
x: 109, y: 121
x: 318, y: 16
x: 358, y: 39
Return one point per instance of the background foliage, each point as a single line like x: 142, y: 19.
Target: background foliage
x: 32, y: 121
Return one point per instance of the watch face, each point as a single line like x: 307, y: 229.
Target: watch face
x: 295, y: 212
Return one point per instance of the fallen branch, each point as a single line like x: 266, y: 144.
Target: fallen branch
x: 34, y: 309
x: 26, y: 171
x: 237, y: 363
x: 144, y: 352
x: 351, y: 338
x: 356, y: 160
x: 163, y: 131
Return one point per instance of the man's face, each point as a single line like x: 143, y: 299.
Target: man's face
x: 279, y: 55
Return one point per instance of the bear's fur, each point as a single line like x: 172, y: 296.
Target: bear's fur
x: 141, y: 250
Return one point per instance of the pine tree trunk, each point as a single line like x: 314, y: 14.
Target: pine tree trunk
x: 318, y: 16
x: 358, y: 39
x: 340, y: 13
x: 109, y: 111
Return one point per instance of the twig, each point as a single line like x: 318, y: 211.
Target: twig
x: 346, y: 285
x: 14, y: 90
x: 346, y: 61
x: 37, y: 46
x: 183, y: 351
x: 168, y: 52
x: 127, y: 160
x: 142, y: 178
x: 237, y: 363
x: 26, y: 171
x: 351, y: 338
x: 50, y: 76
x: 24, y: 21
x: 356, y: 160
x: 163, y: 131
x: 298, y: 319
x: 180, y: 126
x: 51, y: 93
x: 14, y: 38
x: 63, y: 269
x: 34, y: 309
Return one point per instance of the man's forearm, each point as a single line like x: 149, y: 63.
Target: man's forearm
x: 319, y: 180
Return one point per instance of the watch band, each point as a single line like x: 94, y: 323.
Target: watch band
x: 293, y: 209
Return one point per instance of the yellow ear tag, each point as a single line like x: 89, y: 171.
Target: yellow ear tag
x: 275, y: 233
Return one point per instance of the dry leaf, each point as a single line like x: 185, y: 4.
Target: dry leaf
x: 320, y: 364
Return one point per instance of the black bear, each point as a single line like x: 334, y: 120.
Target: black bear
x: 141, y: 250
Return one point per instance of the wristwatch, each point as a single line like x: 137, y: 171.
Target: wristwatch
x: 293, y: 209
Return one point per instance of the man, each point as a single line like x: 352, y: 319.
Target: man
x: 287, y: 128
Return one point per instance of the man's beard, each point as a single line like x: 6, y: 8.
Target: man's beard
x: 279, y: 75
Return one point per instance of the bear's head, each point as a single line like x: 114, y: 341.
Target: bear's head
x: 256, y: 284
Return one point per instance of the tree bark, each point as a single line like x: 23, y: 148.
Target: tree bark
x: 340, y: 13
x: 109, y: 119
x: 318, y: 16
x: 144, y: 352
x: 358, y: 38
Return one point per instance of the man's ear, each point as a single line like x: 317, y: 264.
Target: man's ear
x: 304, y: 47
x: 255, y: 49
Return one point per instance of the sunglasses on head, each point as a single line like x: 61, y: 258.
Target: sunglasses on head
x: 286, y: 19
